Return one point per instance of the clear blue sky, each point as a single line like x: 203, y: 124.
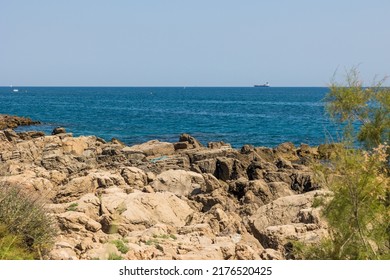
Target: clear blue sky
x: 191, y: 43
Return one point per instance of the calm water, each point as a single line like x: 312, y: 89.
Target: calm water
x: 257, y: 116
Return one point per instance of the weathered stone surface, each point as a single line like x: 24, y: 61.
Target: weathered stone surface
x: 7, y: 121
x: 179, y: 182
x: 164, y: 200
x: 77, y: 221
x: 134, y: 177
x: 143, y: 210
x: 286, y: 219
x: 152, y: 148
x: 191, y: 140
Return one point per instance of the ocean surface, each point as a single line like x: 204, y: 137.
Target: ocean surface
x: 236, y: 115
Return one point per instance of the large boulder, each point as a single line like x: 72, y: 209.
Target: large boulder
x: 151, y: 148
x: 140, y: 210
x: 134, y: 177
x: 289, y: 218
x: 179, y: 182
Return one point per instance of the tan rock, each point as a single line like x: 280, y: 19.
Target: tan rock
x: 179, y: 182
x: 134, y: 177
x: 143, y: 210
x: 152, y: 148
x: 77, y: 221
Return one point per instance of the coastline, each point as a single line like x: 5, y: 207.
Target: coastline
x: 166, y: 200
x: 9, y: 121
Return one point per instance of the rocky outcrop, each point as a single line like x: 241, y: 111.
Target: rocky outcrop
x: 7, y: 121
x: 160, y: 200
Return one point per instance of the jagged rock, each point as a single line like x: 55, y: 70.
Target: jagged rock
x: 30, y: 135
x: 58, y: 130
x: 7, y: 121
x: 219, y: 145
x: 77, y: 221
x: 11, y: 135
x: 229, y: 169
x: 134, y: 177
x: 164, y: 200
x: 207, y: 165
x: 182, y: 146
x: 282, y: 220
x: 305, y: 151
x: 191, y: 140
x: 271, y: 254
x: 287, y: 150
x: 284, y: 164
x: 211, y: 183
x: 75, y: 189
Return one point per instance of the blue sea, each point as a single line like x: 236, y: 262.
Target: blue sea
x: 236, y: 115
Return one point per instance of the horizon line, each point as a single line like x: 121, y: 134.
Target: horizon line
x: 156, y: 86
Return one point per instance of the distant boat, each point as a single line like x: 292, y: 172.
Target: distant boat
x: 14, y: 89
x: 263, y: 85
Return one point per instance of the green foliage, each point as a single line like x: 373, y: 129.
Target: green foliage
x: 12, y: 246
x: 353, y: 105
x: 25, y: 218
x: 121, y: 246
x: 72, y: 207
x: 358, y: 215
x: 114, y: 257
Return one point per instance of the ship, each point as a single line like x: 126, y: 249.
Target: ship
x: 263, y: 85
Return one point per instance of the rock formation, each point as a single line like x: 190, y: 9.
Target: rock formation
x: 166, y: 200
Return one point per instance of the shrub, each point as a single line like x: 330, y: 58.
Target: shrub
x: 364, y: 112
x: 12, y: 246
x: 122, y: 247
x: 358, y: 214
x: 25, y: 218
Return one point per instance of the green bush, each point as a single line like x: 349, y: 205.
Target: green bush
x: 12, y: 246
x: 364, y: 112
x: 121, y: 246
x: 358, y: 214
x: 26, y: 219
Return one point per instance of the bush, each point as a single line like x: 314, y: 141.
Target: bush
x: 25, y: 219
x: 358, y: 214
x: 364, y: 112
x: 121, y: 246
x: 12, y: 246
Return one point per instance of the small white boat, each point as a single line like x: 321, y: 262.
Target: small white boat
x: 15, y: 90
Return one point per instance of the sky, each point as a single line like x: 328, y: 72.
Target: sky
x: 191, y: 42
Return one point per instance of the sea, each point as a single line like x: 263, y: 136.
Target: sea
x: 257, y: 116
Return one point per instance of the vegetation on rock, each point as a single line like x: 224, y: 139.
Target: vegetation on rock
x: 26, y: 230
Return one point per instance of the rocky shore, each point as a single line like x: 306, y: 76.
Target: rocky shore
x: 160, y: 200
x: 7, y: 121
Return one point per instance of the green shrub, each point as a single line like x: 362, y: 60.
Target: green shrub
x: 25, y: 218
x: 114, y: 257
x: 358, y: 214
x: 364, y: 112
x: 121, y: 246
x: 12, y: 246
x: 72, y: 207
